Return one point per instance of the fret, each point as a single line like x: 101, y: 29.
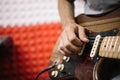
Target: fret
x: 110, y: 47
x: 119, y: 49
x: 110, y: 51
x: 106, y: 45
x: 106, y: 53
x: 115, y: 48
x: 103, y: 45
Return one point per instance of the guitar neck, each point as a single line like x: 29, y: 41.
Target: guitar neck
x: 110, y: 47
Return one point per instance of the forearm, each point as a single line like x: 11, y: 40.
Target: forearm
x: 66, y: 11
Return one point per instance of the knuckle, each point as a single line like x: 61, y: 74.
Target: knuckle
x: 61, y: 47
x: 67, y: 44
x: 76, y: 49
x: 72, y: 39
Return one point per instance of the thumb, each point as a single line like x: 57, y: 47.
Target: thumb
x: 82, y: 35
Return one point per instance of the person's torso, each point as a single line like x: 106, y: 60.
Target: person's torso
x: 97, y: 7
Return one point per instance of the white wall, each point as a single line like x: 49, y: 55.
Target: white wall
x: 27, y: 12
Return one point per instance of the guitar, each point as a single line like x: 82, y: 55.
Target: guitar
x: 100, y: 57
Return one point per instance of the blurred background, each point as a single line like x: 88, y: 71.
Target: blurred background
x: 28, y: 32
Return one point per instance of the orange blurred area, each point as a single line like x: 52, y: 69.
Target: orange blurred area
x: 33, y: 46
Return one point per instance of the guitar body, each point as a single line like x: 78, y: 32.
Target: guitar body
x: 83, y: 67
x: 107, y: 69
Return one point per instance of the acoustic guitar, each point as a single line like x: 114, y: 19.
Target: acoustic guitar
x: 100, y: 59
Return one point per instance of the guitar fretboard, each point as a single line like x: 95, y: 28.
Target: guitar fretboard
x: 110, y: 47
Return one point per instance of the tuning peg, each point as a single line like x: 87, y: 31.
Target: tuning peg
x: 54, y: 73
x: 66, y: 58
x: 60, y: 67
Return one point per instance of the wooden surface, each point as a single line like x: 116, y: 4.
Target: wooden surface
x: 110, y: 47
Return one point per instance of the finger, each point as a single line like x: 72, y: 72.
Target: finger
x: 66, y: 51
x: 73, y: 44
x: 65, y: 42
x: 61, y: 52
x: 61, y: 45
x: 87, y: 31
x: 72, y: 37
x: 61, y: 48
x: 82, y: 34
x: 73, y: 48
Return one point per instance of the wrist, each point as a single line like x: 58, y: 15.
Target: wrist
x: 68, y: 23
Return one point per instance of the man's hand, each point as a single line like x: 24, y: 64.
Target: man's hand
x: 72, y: 39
